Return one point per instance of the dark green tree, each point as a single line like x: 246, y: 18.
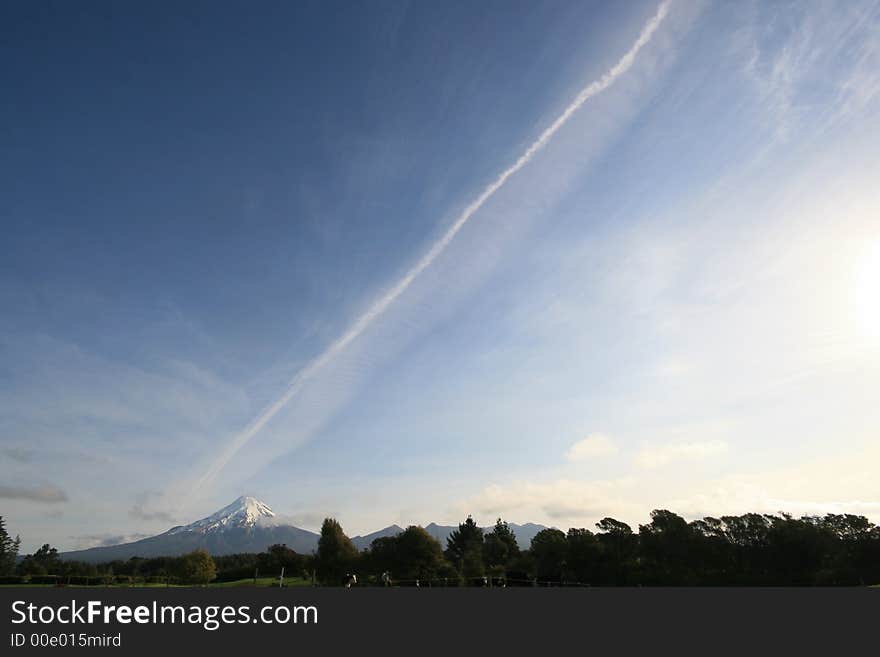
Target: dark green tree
x: 337, y: 555
x: 464, y: 550
x: 278, y: 557
x: 666, y: 549
x: 495, y: 553
x: 196, y: 567
x: 550, y: 551
x: 619, y: 552
x: 8, y: 549
x: 857, y: 558
x: 584, y: 556
x: 382, y: 557
x: 44, y: 561
x: 747, y: 540
x: 711, y: 553
x: 418, y: 555
x: 499, y: 546
x: 230, y: 566
x: 797, y: 549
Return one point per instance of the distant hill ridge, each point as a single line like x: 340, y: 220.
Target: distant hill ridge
x: 249, y: 525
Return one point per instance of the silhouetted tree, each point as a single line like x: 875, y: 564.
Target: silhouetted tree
x: 857, y: 559
x: 711, y: 554
x: 797, y: 549
x: 464, y: 549
x: 619, y: 551
x: 382, y: 556
x: 280, y: 556
x: 495, y: 552
x: 8, y: 549
x: 44, y: 561
x: 549, y: 549
x: 666, y: 549
x: 337, y: 555
x: 418, y: 555
x: 500, y: 546
x: 584, y: 556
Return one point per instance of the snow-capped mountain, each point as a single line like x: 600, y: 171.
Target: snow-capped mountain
x: 246, y: 525
x: 249, y: 525
x: 243, y: 512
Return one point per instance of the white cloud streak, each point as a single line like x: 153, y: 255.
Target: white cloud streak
x: 383, y: 303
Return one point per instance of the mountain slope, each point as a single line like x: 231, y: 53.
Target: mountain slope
x: 523, y: 533
x: 363, y: 542
x: 249, y: 525
x: 246, y: 525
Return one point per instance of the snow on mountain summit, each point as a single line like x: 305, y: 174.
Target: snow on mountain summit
x: 244, y: 512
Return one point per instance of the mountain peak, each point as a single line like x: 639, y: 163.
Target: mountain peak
x: 252, y: 507
x: 253, y: 504
x: 245, y: 511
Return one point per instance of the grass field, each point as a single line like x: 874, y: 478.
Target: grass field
x: 260, y: 582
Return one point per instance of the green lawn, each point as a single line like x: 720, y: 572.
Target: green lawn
x: 260, y: 582
x: 263, y: 581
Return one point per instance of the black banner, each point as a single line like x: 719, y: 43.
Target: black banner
x: 392, y: 621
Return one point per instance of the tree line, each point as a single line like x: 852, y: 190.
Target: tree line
x: 747, y: 550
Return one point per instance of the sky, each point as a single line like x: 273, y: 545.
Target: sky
x: 405, y: 262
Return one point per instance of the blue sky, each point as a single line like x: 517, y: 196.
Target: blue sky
x: 675, y: 303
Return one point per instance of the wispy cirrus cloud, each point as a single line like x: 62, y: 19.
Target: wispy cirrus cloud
x: 381, y: 305
x: 833, y: 43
